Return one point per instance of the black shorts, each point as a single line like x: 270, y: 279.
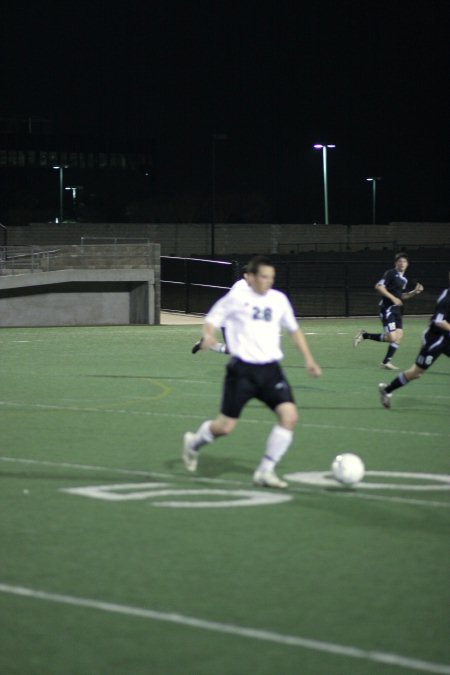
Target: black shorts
x: 244, y: 381
x: 392, y: 318
x: 433, y: 345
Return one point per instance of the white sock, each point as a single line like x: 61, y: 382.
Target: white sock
x: 203, y: 435
x: 277, y: 444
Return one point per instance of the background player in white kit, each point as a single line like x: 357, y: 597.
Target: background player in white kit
x: 254, y: 318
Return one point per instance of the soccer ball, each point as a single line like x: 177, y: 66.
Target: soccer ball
x: 348, y: 468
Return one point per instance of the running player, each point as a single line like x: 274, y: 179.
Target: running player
x: 392, y: 289
x: 254, y: 320
x: 435, y: 341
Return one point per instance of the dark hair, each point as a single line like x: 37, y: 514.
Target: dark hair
x: 401, y: 255
x: 258, y: 261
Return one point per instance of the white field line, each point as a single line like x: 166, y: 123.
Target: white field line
x: 231, y: 629
x: 221, y: 481
x: 149, y: 413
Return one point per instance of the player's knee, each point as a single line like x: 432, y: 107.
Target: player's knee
x: 288, y: 418
x: 413, y: 373
x: 291, y: 423
x: 223, y: 427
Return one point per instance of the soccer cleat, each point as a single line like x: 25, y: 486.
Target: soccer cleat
x: 385, y: 398
x: 197, y: 346
x: 268, y: 479
x: 359, y: 338
x: 190, y: 456
x: 388, y: 366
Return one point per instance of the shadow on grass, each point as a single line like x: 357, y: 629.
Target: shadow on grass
x: 212, y: 466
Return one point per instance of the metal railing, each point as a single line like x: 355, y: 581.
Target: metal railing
x: 33, y: 259
x: 25, y: 259
x: 114, y: 240
x: 340, y: 246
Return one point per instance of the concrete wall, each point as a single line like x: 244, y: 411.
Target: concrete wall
x: 195, y: 239
x: 79, y: 297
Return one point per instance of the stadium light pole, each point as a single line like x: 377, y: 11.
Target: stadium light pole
x: 374, y: 180
x: 74, y: 189
x: 215, y: 138
x: 318, y: 146
x: 61, y: 168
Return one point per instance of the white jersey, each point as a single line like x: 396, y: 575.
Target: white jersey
x: 240, y: 285
x: 253, y: 323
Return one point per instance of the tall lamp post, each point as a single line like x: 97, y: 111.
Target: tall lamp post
x: 374, y: 180
x: 215, y: 138
x: 324, y: 148
x: 61, y: 190
x: 74, y: 189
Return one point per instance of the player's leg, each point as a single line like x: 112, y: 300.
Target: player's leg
x: 385, y: 390
x: 277, y: 394
x: 431, y: 350
x: 237, y: 390
x: 277, y: 444
x: 207, y: 432
x: 364, y: 335
x: 393, y: 335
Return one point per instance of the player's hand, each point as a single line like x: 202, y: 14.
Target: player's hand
x: 419, y: 288
x: 208, y: 341
x: 398, y: 302
x: 314, y: 369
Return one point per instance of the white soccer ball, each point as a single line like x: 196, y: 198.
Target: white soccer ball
x: 348, y: 468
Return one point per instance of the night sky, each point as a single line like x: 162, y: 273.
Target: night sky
x: 275, y: 77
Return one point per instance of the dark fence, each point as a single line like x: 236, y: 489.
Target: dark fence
x: 315, y: 287
x: 192, y: 285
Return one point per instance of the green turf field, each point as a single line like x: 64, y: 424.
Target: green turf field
x: 113, y: 561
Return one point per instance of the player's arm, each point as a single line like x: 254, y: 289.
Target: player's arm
x: 214, y: 319
x: 382, y: 290
x: 299, y: 340
x: 208, y: 335
x: 415, y: 291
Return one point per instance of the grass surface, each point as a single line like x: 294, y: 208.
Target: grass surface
x: 331, y: 581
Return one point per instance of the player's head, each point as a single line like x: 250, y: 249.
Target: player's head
x: 260, y: 274
x: 401, y: 261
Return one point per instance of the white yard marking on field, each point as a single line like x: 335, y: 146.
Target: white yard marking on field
x: 142, y: 491
x: 375, y: 430
x: 394, y: 500
x: 150, y: 413
x: 324, y: 478
x: 221, y: 481
x: 231, y: 629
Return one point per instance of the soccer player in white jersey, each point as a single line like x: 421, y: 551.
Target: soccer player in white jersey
x: 253, y: 318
